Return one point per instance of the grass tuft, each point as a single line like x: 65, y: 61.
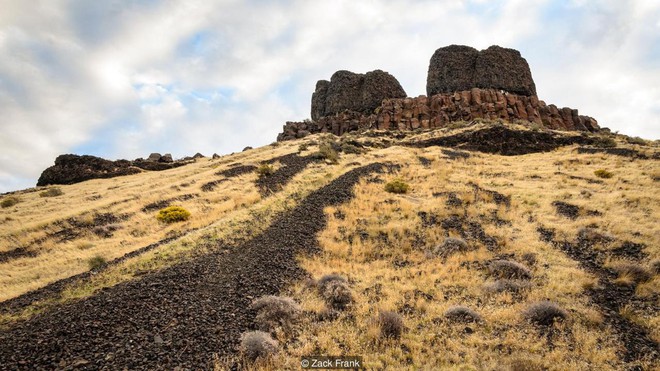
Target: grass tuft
x: 9, y: 202
x: 462, y: 314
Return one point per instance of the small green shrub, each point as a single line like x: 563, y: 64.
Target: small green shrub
x: 96, y: 262
x: 51, y: 192
x: 303, y: 147
x: 636, y: 140
x: 172, y: 214
x: 265, y: 170
x: 605, y: 142
x: 602, y: 173
x: 350, y: 148
x: 327, y: 152
x: 397, y: 186
x: 9, y: 202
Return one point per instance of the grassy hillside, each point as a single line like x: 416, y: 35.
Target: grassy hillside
x: 575, y: 227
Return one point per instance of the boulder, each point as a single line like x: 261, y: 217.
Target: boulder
x: 198, y: 155
x: 350, y: 91
x: 154, y: 157
x: 167, y: 158
x: 461, y: 68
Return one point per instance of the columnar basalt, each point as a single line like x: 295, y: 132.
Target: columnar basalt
x: 463, y: 84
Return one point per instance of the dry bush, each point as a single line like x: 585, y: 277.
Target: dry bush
x: 544, y: 313
x: 391, y: 325
x: 275, y: 311
x: 9, y: 202
x: 96, y: 262
x: 462, y: 314
x: 451, y: 246
x: 602, y: 173
x: 334, y: 289
x: 506, y: 269
x: 512, y: 286
x: 655, y: 267
x: 257, y: 344
x: 323, y: 281
x: 632, y: 273
x: 265, y: 170
x: 51, y: 192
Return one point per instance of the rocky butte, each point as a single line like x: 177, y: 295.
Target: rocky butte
x: 463, y: 84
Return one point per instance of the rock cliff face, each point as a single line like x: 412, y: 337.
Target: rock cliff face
x: 442, y: 109
x: 354, y: 92
x: 457, y: 68
x: 463, y: 84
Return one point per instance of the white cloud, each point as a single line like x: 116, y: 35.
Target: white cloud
x: 122, y: 80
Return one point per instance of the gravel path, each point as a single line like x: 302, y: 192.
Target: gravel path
x: 182, y: 315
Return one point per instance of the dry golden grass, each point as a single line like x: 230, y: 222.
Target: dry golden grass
x: 379, y: 242
x: 390, y: 269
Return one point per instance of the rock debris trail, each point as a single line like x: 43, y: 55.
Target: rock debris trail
x: 610, y: 298
x: 182, y: 315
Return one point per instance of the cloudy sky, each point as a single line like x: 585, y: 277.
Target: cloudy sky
x: 121, y: 79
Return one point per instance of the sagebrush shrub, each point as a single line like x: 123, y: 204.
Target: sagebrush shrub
x: 9, y: 202
x: 451, y: 246
x: 51, y: 192
x: 507, y: 269
x: 544, y: 313
x: 96, y: 262
x: 391, y: 325
x: 257, y: 344
x: 265, y: 170
x: 460, y: 313
x: 397, y: 186
x: 275, y: 311
x: 327, y: 152
x: 173, y: 214
x: 605, y: 142
x: 334, y: 289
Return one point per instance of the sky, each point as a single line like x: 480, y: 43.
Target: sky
x: 122, y: 79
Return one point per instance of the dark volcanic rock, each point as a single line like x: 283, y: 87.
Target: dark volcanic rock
x: 452, y: 68
x: 354, y: 92
x: 182, y: 316
x: 459, y: 68
x: 70, y: 169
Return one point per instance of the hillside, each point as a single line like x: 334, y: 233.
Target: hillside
x: 497, y: 218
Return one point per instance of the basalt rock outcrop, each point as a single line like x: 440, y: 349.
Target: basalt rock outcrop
x: 70, y: 169
x: 354, y: 92
x: 464, y: 84
x: 458, y: 68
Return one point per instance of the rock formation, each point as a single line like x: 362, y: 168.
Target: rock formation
x: 354, y: 92
x: 70, y: 169
x: 463, y: 84
x: 458, y: 68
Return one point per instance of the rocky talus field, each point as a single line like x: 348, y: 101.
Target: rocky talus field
x: 483, y: 244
